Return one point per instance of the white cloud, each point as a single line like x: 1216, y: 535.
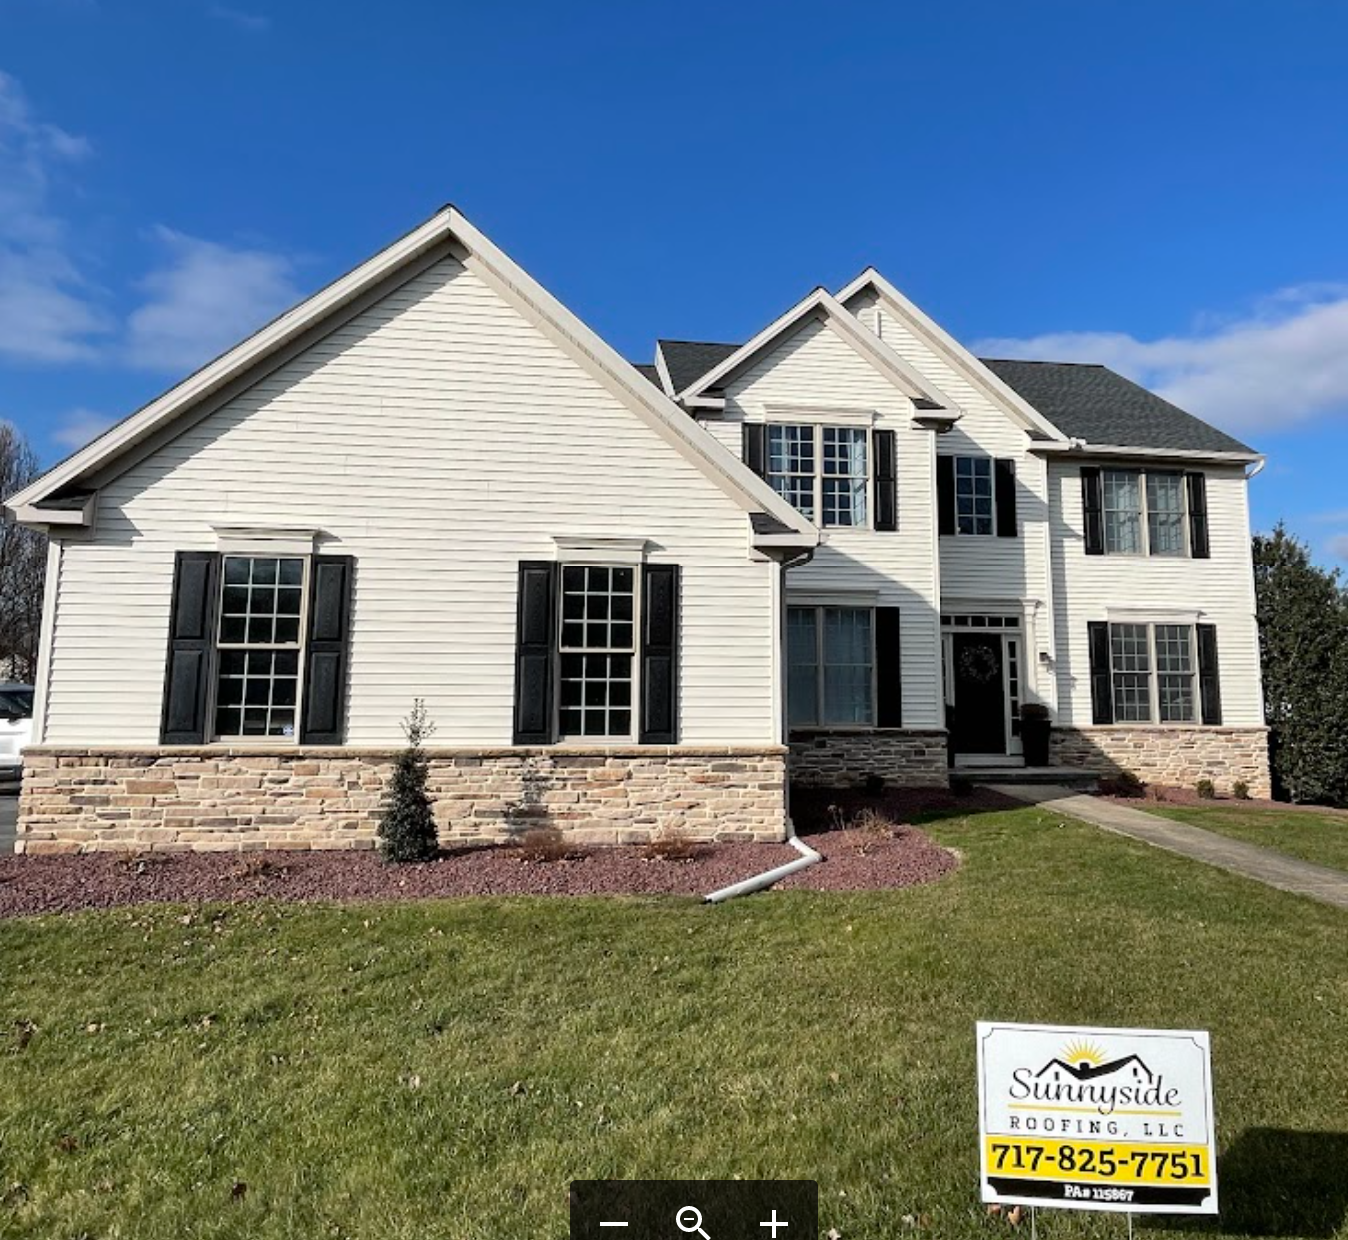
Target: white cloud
x: 1338, y: 547
x: 48, y: 312
x: 203, y: 299
x: 1283, y: 361
x: 254, y: 23
x: 79, y: 426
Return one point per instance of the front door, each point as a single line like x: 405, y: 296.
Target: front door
x: 980, y: 700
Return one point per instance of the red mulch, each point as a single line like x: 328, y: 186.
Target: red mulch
x: 856, y: 861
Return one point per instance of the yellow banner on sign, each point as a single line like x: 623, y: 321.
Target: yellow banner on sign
x: 1101, y: 1162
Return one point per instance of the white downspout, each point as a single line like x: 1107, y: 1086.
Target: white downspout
x: 808, y: 856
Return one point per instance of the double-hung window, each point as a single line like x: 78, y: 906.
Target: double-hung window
x: 597, y: 651
x: 1144, y: 512
x: 973, y: 495
x: 822, y: 471
x: 831, y: 666
x: 1152, y: 673
x: 259, y: 646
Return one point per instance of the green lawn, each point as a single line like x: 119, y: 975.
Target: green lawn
x: 444, y: 1069
x: 1320, y: 838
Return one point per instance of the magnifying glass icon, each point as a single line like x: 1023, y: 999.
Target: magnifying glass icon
x: 689, y: 1221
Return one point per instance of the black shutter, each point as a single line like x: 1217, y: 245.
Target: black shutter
x: 945, y: 494
x: 535, y: 644
x: 886, y: 481
x: 196, y: 577
x: 1198, y: 516
x: 1102, y: 683
x: 660, y: 655
x: 756, y: 447
x: 1093, y: 509
x: 323, y: 720
x: 1209, y: 684
x: 1005, y: 471
x: 888, y: 669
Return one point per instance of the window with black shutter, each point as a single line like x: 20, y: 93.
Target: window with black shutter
x: 597, y: 652
x: 258, y: 648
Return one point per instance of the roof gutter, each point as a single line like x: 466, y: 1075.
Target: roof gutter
x: 1079, y: 447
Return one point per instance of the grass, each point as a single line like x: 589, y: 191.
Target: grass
x: 444, y: 1069
x: 1318, y: 838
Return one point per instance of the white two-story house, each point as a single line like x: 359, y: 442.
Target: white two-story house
x: 631, y: 597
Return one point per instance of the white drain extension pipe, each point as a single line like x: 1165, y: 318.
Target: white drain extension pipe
x: 807, y: 858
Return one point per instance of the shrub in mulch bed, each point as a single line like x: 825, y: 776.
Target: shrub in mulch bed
x: 856, y: 861
x: 833, y: 809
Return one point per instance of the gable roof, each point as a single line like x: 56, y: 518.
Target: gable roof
x: 446, y: 233
x: 952, y: 352
x: 1093, y: 403
x: 647, y: 371
x: 820, y: 304
x: 688, y: 360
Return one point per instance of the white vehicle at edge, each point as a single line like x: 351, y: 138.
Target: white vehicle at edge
x: 16, y: 726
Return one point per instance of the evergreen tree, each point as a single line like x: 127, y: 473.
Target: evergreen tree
x: 1303, y: 646
x: 407, y: 827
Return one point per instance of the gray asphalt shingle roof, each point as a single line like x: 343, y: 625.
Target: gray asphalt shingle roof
x: 691, y: 359
x: 1093, y: 403
x: 1083, y: 400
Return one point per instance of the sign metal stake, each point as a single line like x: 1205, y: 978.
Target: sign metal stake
x: 1034, y: 1229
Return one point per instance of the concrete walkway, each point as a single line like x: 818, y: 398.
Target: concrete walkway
x: 1249, y: 860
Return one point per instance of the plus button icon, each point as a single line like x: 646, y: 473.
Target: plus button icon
x: 773, y: 1223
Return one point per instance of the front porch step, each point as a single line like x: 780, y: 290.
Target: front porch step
x: 1066, y: 776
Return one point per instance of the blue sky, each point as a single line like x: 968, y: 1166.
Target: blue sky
x: 1159, y: 186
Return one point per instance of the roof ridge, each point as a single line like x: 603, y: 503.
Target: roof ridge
x: 1040, y: 361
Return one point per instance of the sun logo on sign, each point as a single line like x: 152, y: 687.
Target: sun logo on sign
x: 1082, y: 1054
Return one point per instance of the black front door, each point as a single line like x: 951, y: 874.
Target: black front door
x: 980, y: 701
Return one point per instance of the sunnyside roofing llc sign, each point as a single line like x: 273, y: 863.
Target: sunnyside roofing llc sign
x: 1096, y: 1119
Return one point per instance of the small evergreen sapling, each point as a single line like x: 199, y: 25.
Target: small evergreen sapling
x: 407, y: 827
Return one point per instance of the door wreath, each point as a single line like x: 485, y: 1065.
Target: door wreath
x: 979, y: 664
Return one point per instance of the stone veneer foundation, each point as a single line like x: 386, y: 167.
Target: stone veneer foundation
x: 1176, y: 756
x: 902, y: 758
x: 170, y: 799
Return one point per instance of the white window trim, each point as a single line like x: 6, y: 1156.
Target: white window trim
x: 264, y: 541
x: 1153, y: 677
x: 601, y: 550
x: 818, y: 726
x: 818, y: 427
x: 819, y: 415
x: 301, y: 649
x: 638, y: 584
x: 955, y: 483
x: 1186, y: 533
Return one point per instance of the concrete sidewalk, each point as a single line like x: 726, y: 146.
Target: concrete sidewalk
x: 1248, y: 860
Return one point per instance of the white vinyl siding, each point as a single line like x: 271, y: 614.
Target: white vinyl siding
x: 439, y: 438
x: 814, y: 368
x: 986, y: 571
x: 1218, y: 591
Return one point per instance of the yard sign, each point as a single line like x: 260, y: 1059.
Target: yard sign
x: 1096, y: 1119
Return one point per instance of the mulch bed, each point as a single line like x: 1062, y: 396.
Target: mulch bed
x: 855, y: 861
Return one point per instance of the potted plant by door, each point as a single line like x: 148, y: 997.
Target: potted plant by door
x: 1034, y: 732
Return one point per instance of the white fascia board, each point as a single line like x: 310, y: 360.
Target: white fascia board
x: 822, y: 302
x: 655, y: 408
x: 662, y: 369
x: 118, y: 438
x: 1080, y: 448
x: 950, y: 349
